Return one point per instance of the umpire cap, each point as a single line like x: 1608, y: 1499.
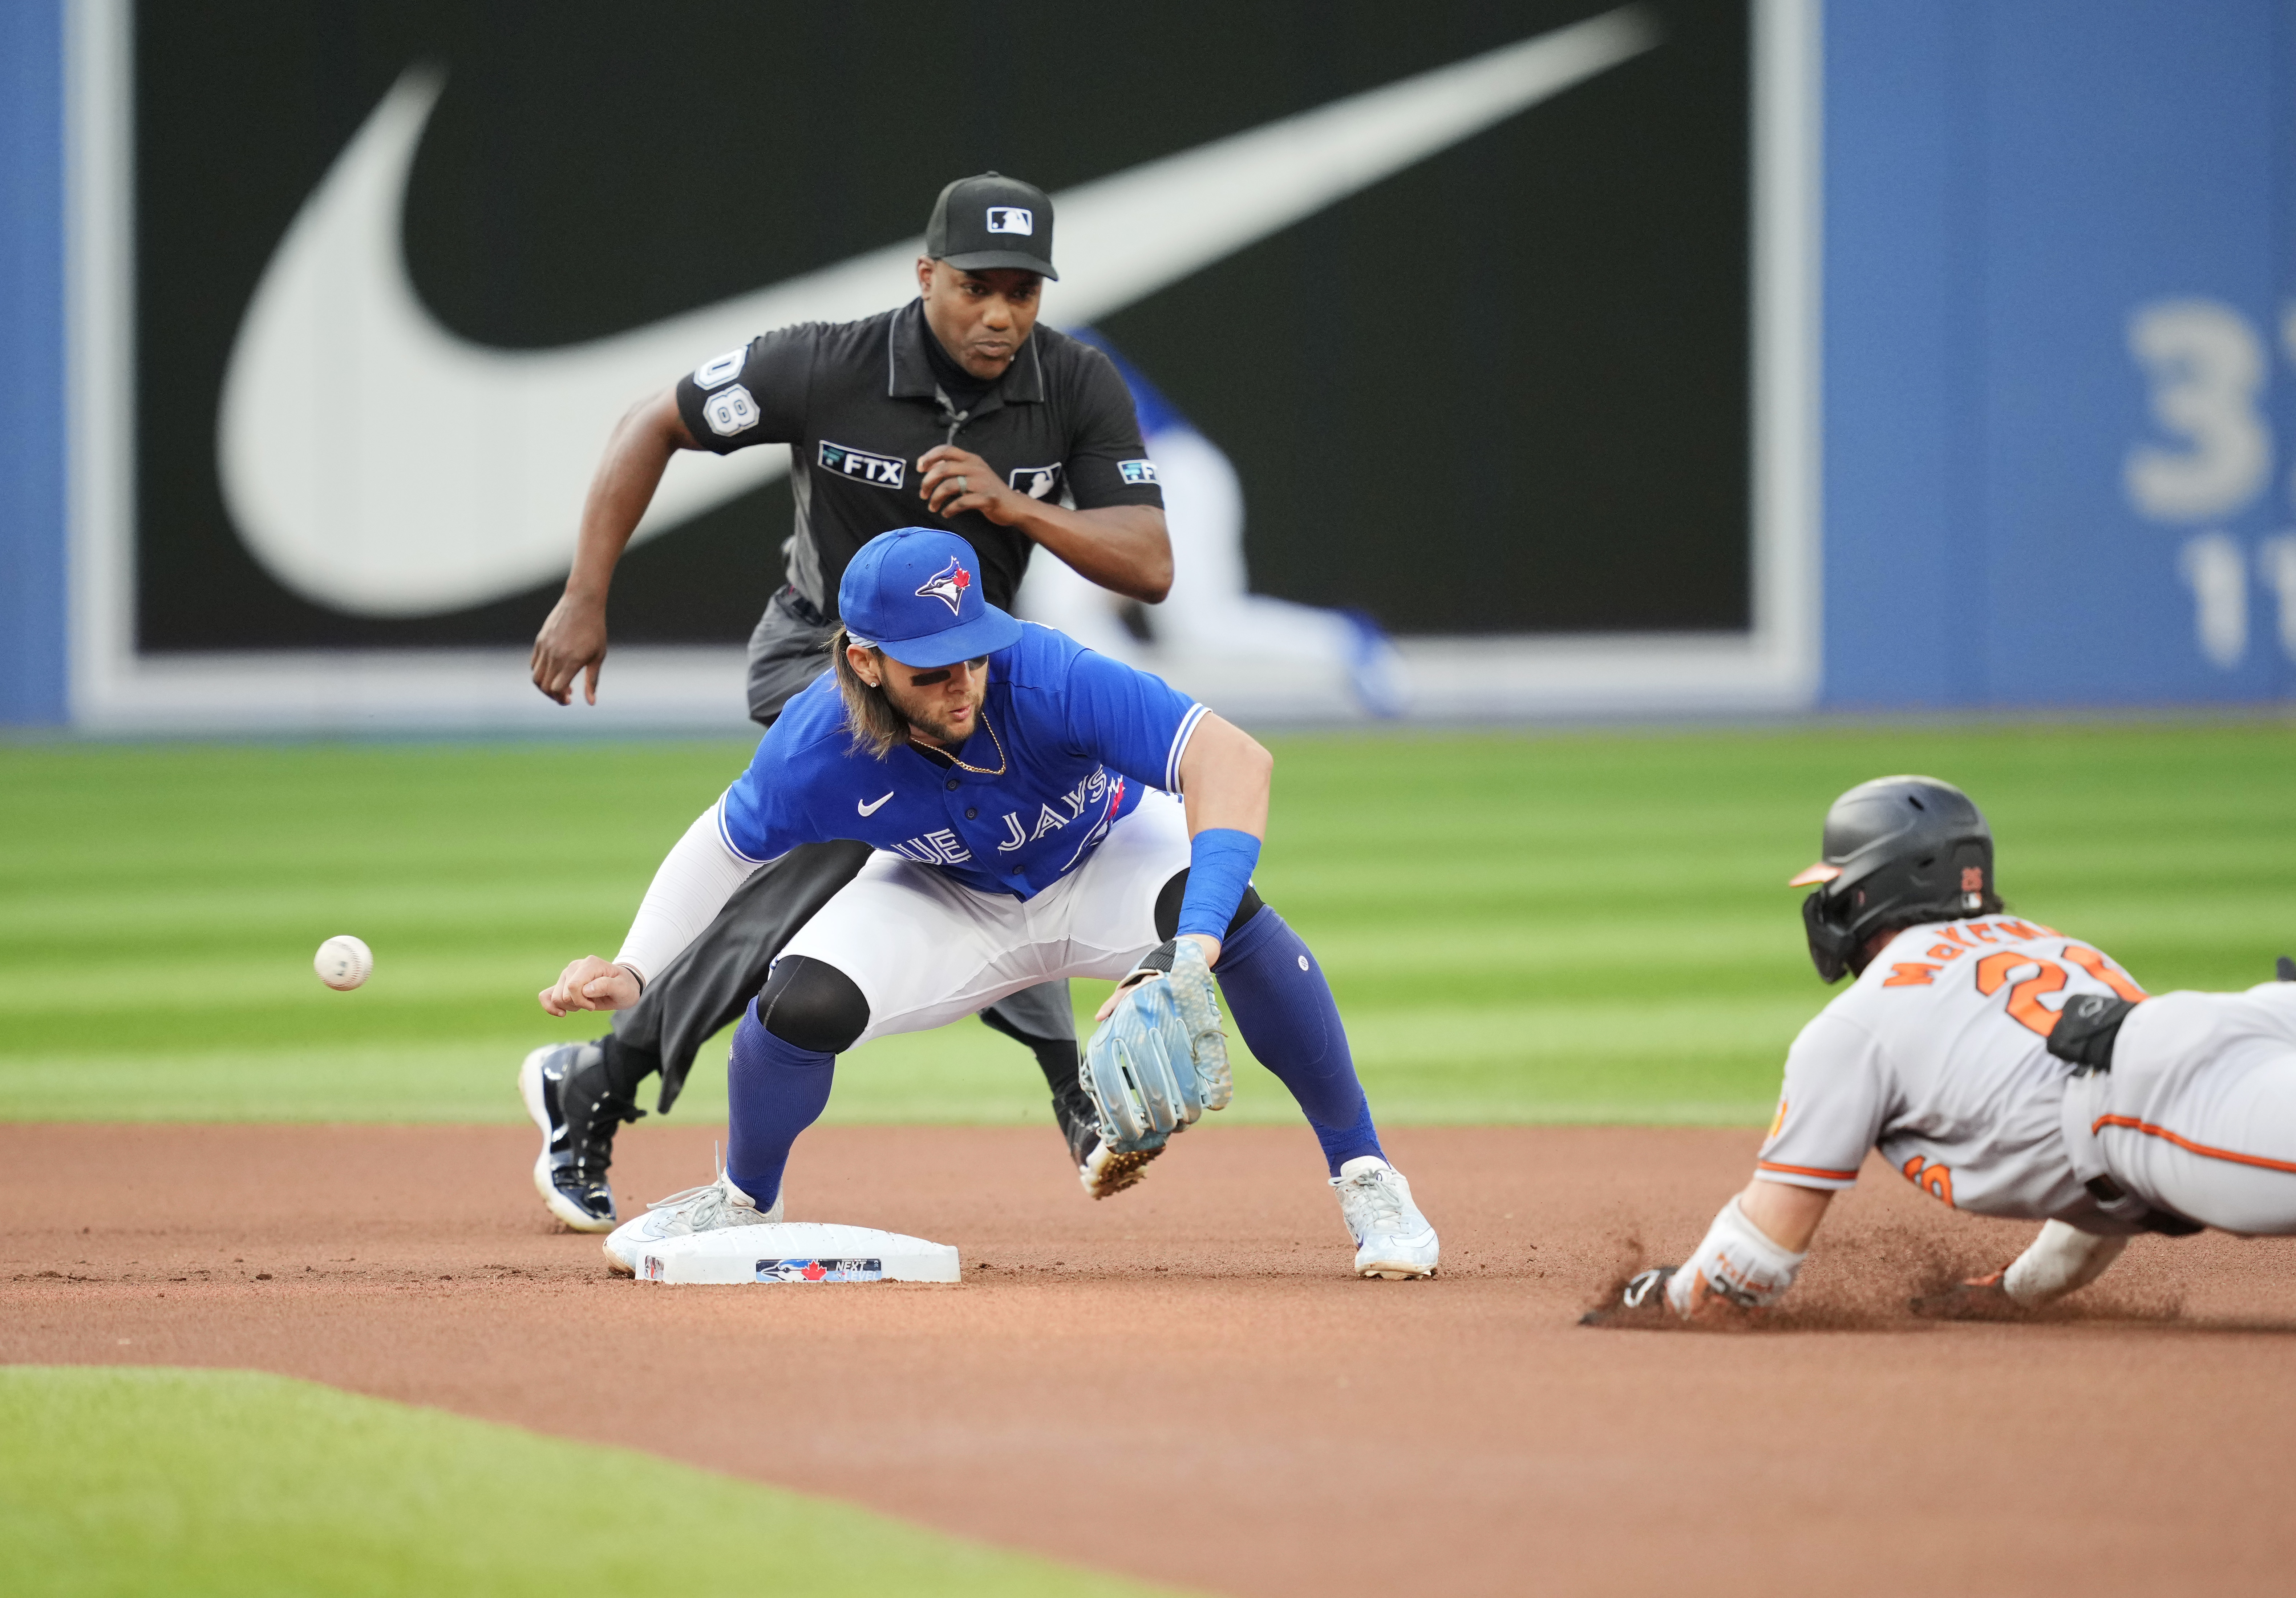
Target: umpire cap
x: 992, y: 220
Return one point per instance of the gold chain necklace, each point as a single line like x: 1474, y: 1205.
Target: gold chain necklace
x: 993, y: 738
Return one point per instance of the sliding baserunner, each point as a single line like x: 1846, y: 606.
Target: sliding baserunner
x: 2003, y: 1068
x: 1039, y: 811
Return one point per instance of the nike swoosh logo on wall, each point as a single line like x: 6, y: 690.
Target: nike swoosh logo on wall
x: 872, y: 809
x: 377, y: 464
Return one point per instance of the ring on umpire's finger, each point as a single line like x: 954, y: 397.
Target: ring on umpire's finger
x: 960, y: 482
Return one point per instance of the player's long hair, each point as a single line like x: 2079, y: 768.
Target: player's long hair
x: 869, y: 716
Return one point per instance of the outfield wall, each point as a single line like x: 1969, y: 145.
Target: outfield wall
x: 32, y: 685
x: 2060, y: 348
x: 2014, y: 300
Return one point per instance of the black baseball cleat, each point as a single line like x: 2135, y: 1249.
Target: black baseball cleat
x: 2286, y: 969
x: 1102, y: 1170
x: 564, y: 1086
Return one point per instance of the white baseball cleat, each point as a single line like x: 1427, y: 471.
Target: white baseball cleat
x: 1393, y: 1237
x: 708, y: 1207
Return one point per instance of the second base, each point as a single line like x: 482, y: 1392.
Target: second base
x: 797, y: 1251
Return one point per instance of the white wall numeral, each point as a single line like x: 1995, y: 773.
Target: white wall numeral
x: 2276, y: 568
x: 2217, y: 571
x: 2208, y: 370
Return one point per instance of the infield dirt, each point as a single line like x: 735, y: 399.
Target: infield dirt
x: 1184, y: 1382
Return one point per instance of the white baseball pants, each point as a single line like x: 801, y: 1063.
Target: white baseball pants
x: 924, y: 949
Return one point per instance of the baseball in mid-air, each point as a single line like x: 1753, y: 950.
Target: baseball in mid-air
x: 343, y: 962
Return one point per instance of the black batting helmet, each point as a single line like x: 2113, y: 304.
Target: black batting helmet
x: 1898, y: 850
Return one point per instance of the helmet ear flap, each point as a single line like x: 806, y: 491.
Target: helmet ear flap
x: 1830, y: 945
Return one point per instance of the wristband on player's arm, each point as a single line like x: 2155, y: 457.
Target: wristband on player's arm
x: 1737, y: 1261
x: 1220, y: 861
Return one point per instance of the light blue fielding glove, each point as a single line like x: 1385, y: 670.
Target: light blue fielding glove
x: 1160, y: 1059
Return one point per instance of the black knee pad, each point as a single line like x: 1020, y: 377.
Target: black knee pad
x: 1167, y: 909
x: 810, y: 1004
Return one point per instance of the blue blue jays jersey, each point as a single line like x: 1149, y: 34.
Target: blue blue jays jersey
x: 1080, y: 737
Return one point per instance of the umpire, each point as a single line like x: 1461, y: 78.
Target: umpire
x: 1013, y: 437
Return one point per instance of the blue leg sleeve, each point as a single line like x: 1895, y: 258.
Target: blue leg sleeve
x: 1284, y: 1009
x: 777, y: 1091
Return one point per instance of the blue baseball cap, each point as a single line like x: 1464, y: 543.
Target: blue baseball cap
x: 916, y: 594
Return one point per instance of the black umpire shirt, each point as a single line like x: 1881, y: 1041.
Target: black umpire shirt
x: 858, y: 402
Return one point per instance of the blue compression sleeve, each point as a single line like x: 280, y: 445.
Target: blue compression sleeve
x: 1220, y: 860
x: 774, y: 1091
x: 1275, y: 990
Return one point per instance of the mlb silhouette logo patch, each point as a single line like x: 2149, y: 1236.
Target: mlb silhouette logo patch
x: 1011, y: 219
x: 1038, y: 482
x: 947, y: 585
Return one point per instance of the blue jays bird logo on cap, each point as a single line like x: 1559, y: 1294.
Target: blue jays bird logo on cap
x: 947, y: 585
x: 881, y: 601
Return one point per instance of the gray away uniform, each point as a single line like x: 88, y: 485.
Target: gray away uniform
x: 1937, y: 1056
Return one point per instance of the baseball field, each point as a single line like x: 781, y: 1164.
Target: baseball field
x: 285, y: 1317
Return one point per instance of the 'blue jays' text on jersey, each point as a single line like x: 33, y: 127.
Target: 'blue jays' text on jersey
x: 1080, y: 736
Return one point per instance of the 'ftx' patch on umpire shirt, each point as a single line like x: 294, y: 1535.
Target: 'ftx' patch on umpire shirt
x: 857, y: 403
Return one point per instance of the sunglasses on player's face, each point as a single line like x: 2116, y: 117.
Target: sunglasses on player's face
x: 925, y: 679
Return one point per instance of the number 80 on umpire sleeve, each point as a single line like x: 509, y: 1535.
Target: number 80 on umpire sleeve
x: 730, y: 411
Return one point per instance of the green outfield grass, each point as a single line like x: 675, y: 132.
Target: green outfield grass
x: 132, y: 1481
x: 1521, y: 928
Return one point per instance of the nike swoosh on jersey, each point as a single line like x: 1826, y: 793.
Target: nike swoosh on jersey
x: 873, y: 808
x: 377, y: 464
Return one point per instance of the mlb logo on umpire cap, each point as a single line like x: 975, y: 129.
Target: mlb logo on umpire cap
x: 979, y: 223
x: 916, y: 594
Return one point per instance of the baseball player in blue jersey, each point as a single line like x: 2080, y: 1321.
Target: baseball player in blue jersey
x: 1037, y: 810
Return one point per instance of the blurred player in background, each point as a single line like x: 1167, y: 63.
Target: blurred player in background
x: 2003, y: 1068
x: 1039, y: 811
x: 1211, y: 619
x: 1012, y: 436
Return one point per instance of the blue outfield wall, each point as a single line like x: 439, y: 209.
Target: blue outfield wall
x: 32, y: 688
x: 2060, y: 352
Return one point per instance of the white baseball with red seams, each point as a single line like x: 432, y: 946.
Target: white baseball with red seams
x: 343, y: 962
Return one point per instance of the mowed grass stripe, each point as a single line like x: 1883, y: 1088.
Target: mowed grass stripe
x: 1519, y: 927
x: 128, y: 1480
